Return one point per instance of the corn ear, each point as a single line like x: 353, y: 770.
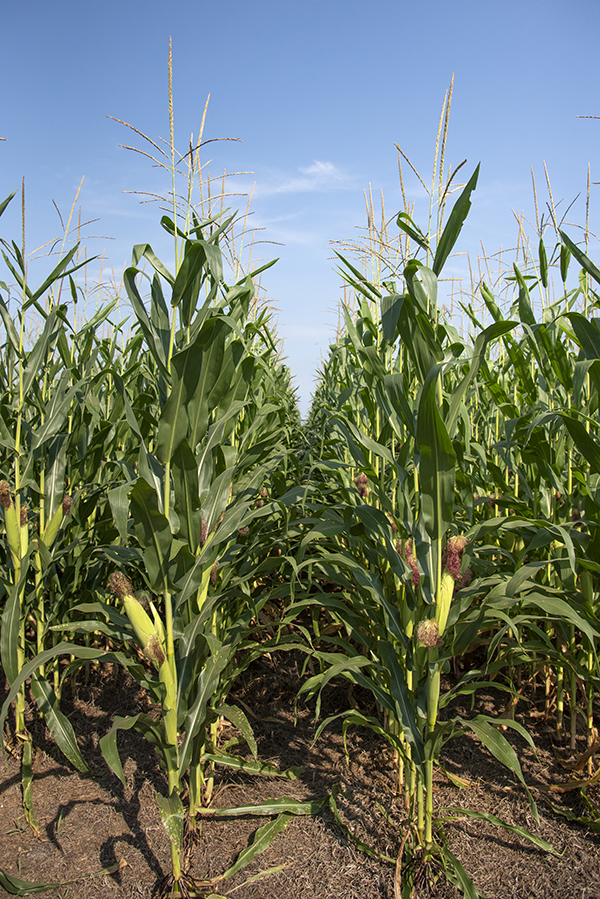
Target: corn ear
x: 159, y: 629
x: 433, y: 689
x: 13, y: 535
x: 203, y: 589
x: 145, y: 630
x: 444, y: 600
x: 53, y: 526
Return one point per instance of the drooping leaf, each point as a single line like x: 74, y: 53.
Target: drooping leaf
x: 239, y: 719
x: 581, y: 257
x: 268, y: 807
x: 59, y: 725
x: 510, y: 828
x: 153, y: 533
x: 453, y: 226
x: 263, y: 838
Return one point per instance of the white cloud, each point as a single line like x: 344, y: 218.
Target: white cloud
x: 319, y: 176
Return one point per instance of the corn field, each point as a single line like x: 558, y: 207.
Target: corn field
x: 431, y: 530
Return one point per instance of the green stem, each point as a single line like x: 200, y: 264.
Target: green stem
x: 590, y: 708
x: 433, y: 698
x: 560, y: 699
x: 428, y: 803
x: 420, y: 808
x: 573, y: 690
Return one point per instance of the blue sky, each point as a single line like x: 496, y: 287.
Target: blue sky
x: 318, y: 93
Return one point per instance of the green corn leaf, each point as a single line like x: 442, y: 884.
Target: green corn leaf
x: 543, y: 263
x: 565, y: 259
x: 453, y: 227
x: 141, y: 250
x: 59, y: 725
x: 404, y: 702
x: 587, y: 333
x: 42, y: 349
x: 5, y: 202
x: 56, y: 412
x: 264, y: 769
x: 422, y: 287
x: 11, y: 617
x: 152, y: 338
x: 92, y: 627
x: 27, y: 783
x: 391, y: 307
x: 118, y: 498
x: 9, y: 634
x: 590, y: 824
x: 497, y: 329
x: 259, y: 270
x: 524, y: 576
x: 153, y: 533
x: 191, y: 652
x: 372, y: 853
x: 525, y: 309
x: 587, y: 444
x: 457, y: 875
x: 498, y: 745
x: 490, y: 302
x: 353, y: 717
x: 268, y: 807
x: 581, y: 258
x: 11, y: 331
x: 54, y: 481
x: 406, y: 224
x: 100, y: 316
x: 172, y: 814
x: 195, y: 371
x: 361, y: 282
x: 15, y: 887
x: 184, y: 469
x: 239, y: 719
x: 108, y: 743
x: 102, y: 608
x: 199, y: 255
x: 159, y: 315
x: 497, y: 822
x: 437, y: 461
x: 346, y: 666
x: 394, y: 386
x: 263, y: 838
x: 59, y: 271
x: 196, y: 716
x: 562, y: 610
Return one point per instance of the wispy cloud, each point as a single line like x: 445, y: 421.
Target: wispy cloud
x: 319, y: 176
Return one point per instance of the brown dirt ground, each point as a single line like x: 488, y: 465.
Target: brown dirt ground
x: 90, y: 822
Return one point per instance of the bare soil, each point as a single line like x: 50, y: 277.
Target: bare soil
x: 89, y: 822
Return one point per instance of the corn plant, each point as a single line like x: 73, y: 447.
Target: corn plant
x: 218, y: 431
x: 393, y: 537
x: 43, y: 396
